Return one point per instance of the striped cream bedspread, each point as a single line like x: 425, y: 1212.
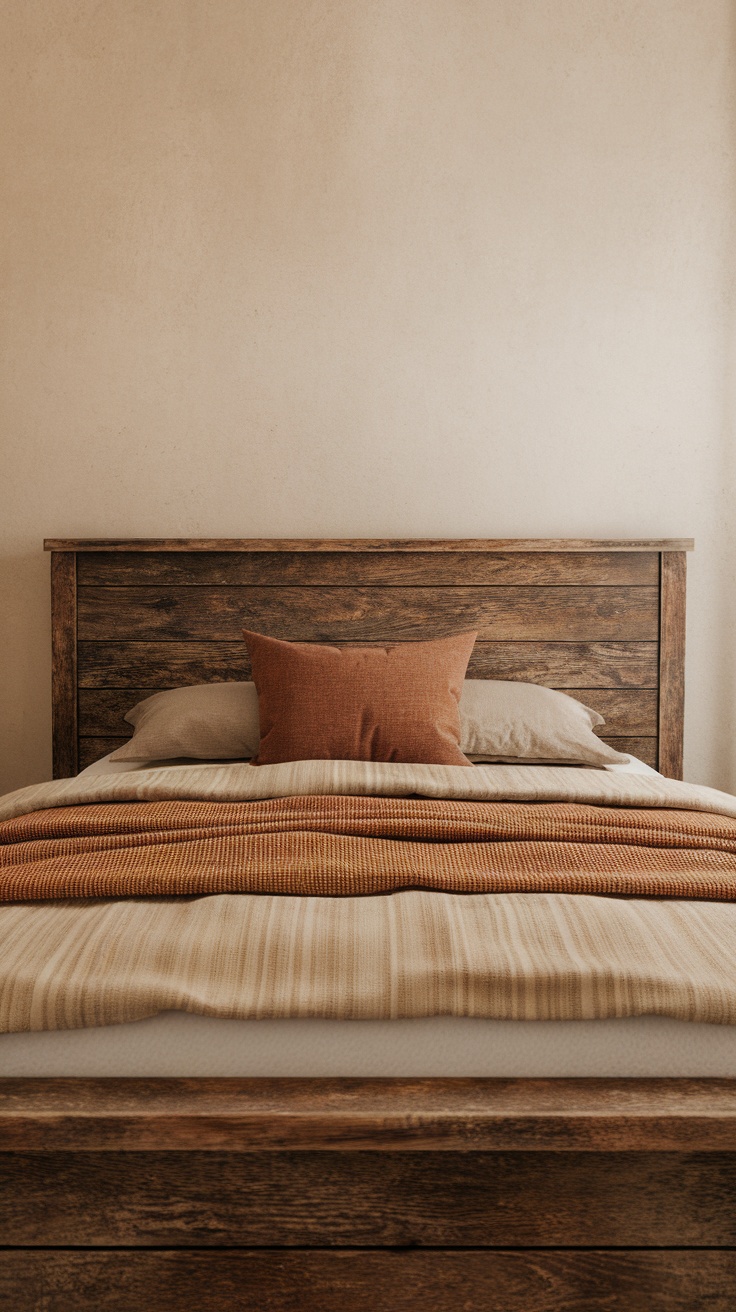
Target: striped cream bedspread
x: 504, y: 892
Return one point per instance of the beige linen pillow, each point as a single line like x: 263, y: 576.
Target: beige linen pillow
x: 501, y: 720
x: 206, y: 721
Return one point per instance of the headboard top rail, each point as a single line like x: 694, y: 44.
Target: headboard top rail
x: 367, y: 544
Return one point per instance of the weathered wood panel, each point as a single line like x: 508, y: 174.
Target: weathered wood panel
x: 398, y: 1115
x: 155, y: 665
x: 643, y: 748
x: 375, y: 614
x: 575, y: 636
x: 332, y: 545
x: 565, y: 665
x: 672, y: 663
x: 554, y: 627
x: 332, y: 1200
x: 340, y: 569
x: 64, y: 662
x: 94, y: 748
x: 628, y: 712
x: 684, y: 1280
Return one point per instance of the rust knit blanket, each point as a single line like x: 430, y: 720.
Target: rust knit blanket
x: 341, y: 845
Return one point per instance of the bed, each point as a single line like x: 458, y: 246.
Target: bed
x: 325, y: 1169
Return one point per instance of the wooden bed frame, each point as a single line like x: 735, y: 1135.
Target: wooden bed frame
x: 319, y: 1195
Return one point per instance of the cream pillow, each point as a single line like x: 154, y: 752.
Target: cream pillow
x: 501, y: 720
x: 206, y: 721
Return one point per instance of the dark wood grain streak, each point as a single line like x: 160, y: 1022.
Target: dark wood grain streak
x: 566, y: 665
x: 342, y: 1199
x: 390, y: 1281
x: 672, y: 663
x: 352, y: 569
x: 64, y: 662
x: 457, y: 1115
x: 375, y: 614
x: 330, y: 545
x: 627, y: 711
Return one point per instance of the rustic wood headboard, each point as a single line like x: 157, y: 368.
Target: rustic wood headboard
x: 604, y: 621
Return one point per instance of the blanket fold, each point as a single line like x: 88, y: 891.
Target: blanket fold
x: 337, y: 846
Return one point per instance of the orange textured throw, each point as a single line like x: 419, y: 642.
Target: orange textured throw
x: 341, y: 846
x: 397, y: 703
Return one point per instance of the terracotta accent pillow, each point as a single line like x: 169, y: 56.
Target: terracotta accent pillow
x: 397, y: 703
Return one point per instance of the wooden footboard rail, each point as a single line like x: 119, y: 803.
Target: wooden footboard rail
x: 383, y: 1195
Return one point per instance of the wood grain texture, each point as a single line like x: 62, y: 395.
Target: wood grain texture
x: 64, y: 662
x: 672, y: 663
x: 628, y: 712
x: 566, y: 665
x: 391, y: 1281
x: 645, y: 749
x: 457, y: 1115
x: 368, y: 1199
x: 351, y: 569
x: 572, y: 614
x: 368, y: 544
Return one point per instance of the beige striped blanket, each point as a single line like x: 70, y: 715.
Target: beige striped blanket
x: 489, y: 950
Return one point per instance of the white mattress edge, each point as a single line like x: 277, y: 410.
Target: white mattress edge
x: 179, y: 1044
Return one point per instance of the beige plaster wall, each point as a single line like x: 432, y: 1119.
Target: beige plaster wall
x: 367, y: 267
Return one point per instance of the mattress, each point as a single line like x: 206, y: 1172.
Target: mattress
x: 178, y: 1044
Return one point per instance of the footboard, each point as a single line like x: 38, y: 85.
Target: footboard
x: 319, y: 1195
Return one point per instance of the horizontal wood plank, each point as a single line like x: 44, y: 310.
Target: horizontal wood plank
x: 685, y: 1280
x: 333, y: 1200
x: 259, y: 1115
x: 375, y: 614
x: 645, y: 749
x: 627, y: 711
x: 368, y: 544
x: 94, y: 748
x: 566, y: 665
x: 341, y: 568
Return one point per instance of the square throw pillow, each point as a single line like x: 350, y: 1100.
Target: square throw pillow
x: 394, y: 703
